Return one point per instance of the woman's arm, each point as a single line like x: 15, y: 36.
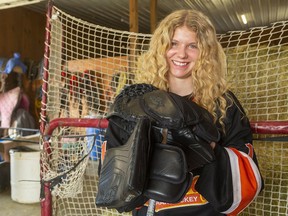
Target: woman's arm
x: 233, y: 180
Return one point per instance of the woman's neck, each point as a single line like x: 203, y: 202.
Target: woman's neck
x: 181, y: 87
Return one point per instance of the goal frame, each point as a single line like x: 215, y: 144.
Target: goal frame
x: 258, y: 127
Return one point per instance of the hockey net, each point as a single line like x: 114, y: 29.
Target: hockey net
x: 86, y: 65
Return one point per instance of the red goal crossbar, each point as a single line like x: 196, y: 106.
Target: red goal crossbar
x: 258, y: 127
x: 269, y: 127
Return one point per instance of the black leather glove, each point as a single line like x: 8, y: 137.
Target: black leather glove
x: 197, y: 150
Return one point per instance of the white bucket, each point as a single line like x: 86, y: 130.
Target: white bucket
x: 25, y: 175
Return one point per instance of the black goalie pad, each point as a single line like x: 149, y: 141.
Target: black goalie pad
x: 174, y: 112
x: 169, y: 179
x: 123, y: 174
x: 163, y: 110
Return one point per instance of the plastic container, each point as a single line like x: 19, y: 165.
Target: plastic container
x: 25, y: 175
x: 96, y: 151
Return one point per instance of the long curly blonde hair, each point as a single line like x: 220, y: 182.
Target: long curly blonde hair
x: 208, y: 75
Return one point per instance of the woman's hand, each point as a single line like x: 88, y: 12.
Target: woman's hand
x: 212, y: 144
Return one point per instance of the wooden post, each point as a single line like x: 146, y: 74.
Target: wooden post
x: 153, y: 15
x: 133, y: 5
x: 133, y: 19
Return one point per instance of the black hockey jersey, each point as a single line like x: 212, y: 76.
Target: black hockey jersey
x: 224, y: 187
x: 227, y: 185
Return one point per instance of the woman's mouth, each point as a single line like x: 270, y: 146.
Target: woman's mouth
x: 177, y: 63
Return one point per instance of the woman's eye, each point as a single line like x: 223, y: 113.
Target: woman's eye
x: 173, y: 44
x: 193, y: 46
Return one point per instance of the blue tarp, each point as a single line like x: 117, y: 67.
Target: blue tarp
x: 11, y: 63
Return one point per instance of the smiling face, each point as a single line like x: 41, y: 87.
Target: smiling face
x: 183, y: 54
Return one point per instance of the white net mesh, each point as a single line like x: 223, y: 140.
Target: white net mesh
x: 64, y: 167
x: 257, y: 69
x: 89, y: 64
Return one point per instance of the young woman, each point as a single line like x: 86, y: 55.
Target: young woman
x: 186, y: 58
x: 185, y: 62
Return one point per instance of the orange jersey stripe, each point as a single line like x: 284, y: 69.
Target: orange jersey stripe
x: 103, y: 150
x: 246, y: 180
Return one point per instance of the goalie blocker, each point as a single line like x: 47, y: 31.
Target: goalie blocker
x: 136, y: 166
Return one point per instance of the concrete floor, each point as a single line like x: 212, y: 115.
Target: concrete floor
x: 8, y: 207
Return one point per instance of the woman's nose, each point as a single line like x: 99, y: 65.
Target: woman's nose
x: 182, y: 52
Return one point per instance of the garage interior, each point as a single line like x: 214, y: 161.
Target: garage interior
x: 23, y: 32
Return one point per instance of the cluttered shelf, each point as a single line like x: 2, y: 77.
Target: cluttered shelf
x: 31, y: 141
x: 18, y: 112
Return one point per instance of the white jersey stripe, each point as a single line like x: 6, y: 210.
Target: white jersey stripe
x: 236, y: 181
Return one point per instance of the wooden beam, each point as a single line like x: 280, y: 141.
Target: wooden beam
x: 153, y: 15
x: 133, y: 16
